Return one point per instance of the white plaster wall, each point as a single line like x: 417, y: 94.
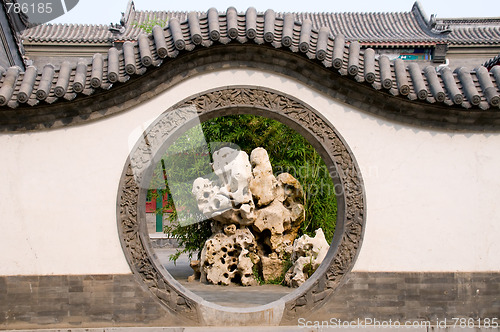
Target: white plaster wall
x: 431, y: 195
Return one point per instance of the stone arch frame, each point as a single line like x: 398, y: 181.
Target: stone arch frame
x: 243, y: 100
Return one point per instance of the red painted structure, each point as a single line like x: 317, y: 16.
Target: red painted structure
x: 152, y: 204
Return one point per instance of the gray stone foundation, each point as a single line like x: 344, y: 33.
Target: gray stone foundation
x: 28, y: 302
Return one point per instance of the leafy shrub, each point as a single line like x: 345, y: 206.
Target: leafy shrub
x: 148, y: 25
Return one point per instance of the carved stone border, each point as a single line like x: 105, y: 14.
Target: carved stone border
x: 243, y: 100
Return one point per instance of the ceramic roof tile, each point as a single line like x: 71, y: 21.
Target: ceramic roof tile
x: 251, y: 23
x: 8, y: 85
x: 322, y: 43
x: 418, y: 81
x: 486, y: 84
x: 129, y: 57
x: 338, y: 51
x: 80, y: 77
x: 96, y: 71
x: 401, y: 77
x: 435, y: 86
x: 27, y: 84
x: 213, y: 24
x: 145, y: 50
x: 269, y: 19
x: 113, y: 65
x: 469, y: 88
x: 160, y: 42
x: 232, y: 23
x: 385, y: 72
x: 194, y: 28
x: 369, y: 65
x: 62, y: 83
x: 45, y: 83
x: 353, y: 62
x: 463, y: 88
x: 450, y: 84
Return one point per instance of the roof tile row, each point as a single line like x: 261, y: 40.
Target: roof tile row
x: 477, y: 88
x: 384, y: 29
x: 71, y: 33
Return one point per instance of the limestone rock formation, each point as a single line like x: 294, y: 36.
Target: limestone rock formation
x: 255, y: 218
x: 308, y: 253
x: 195, y: 265
x: 229, y: 257
x: 263, y: 184
x: 230, y: 200
x: 291, y: 195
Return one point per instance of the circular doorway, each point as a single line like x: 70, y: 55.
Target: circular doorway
x: 241, y: 100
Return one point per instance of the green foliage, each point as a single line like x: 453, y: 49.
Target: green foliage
x: 287, y: 264
x: 191, y: 238
x: 189, y: 157
x: 256, y: 274
x: 309, y: 268
x: 149, y: 24
x: 184, y: 161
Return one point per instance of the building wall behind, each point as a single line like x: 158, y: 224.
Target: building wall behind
x: 431, y: 195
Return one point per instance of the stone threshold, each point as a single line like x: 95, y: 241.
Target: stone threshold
x: 266, y: 329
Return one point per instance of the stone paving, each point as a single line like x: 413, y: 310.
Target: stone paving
x: 232, y: 296
x: 261, y: 329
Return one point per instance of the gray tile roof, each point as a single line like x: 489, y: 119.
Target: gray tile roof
x: 373, y: 29
x: 69, y: 33
x: 461, y: 88
x: 469, y: 31
x: 85, y: 33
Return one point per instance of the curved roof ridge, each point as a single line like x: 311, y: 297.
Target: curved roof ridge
x: 418, y: 10
x: 461, y: 88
